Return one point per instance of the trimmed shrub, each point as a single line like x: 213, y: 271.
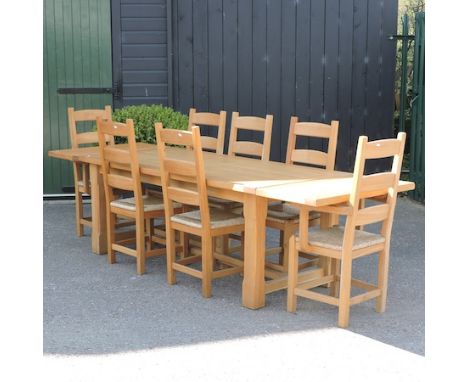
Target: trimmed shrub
x: 145, y: 116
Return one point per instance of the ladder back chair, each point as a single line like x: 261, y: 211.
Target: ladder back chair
x: 210, y: 119
x: 117, y: 160
x: 81, y: 170
x: 211, y: 143
x: 344, y: 244
x: 184, y: 182
x: 284, y: 216
x: 255, y: 149
x: 247, y: 148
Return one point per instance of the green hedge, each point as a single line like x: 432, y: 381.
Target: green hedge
x: 145, y: 116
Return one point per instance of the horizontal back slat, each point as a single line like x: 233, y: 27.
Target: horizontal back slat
x: 207, y: 119
x: 88, y: 115
x: 88, y: 137
x: 374, y: 182
x: 184, y: 196
x: 382, y: 148
x: 209, y: 143
x: 247, y: 148
x: 120, y: 181
x: 179, y: 167
x: 176, y: 137
x: 372, y: 214
x: 115, y: 154
x: 251, y: 123
x: 115, y: 129
x: 313, y: 157
x: 313, y: 129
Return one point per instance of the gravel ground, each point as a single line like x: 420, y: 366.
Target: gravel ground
x: 93, y: 308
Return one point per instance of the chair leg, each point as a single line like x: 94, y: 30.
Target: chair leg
x: 345, y: 292
x: 287, y: 234
x: 79, y: 213
x: 242, y: 245
x: 110, y: 237
x: 225, y: 244
x: 149, y: 223
x: 207, y: 265
x: 185, y: 238
x: 335, y: 270
x: 170, y: 255
x: 382, y: 281
x: 140, y: 246
x: 293, y: 267
x: 281, y: 245
x: 241, y: 252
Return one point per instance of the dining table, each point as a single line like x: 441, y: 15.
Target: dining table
x: 250, y: 181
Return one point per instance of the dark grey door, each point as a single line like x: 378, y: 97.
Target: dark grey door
x: 139, y: 50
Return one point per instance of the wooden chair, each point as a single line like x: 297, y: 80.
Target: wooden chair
x: 344, y: 244
x: 183, y: 181
x: 284, y: 216
x: 211, y: 143
x: 246, y: 148
x: 252, y: 149
x: 143, y: 209
x: 81, y: 170
x: 210, y: 119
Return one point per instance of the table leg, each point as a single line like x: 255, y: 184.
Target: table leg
x: 98, y: 212
x: 253, y: 287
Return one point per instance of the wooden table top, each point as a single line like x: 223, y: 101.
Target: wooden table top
x: 273, y: 180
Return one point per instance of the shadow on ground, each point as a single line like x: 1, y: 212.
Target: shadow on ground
x: 91, y: 307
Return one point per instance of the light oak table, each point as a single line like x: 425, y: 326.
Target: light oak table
x: 250, y: 181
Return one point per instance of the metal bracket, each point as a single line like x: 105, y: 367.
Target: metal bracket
x: 401, y: 37
x: 85, y: 90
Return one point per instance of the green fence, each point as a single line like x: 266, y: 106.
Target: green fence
x: 417, y: 112
x: 411, y: 100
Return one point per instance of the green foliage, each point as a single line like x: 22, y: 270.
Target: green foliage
x: 145, y: 116
x: 409, y: 7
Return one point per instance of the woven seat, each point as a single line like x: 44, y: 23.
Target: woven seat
x: 223, y: 203
x: 285, y: 211
x: 150, y: 203
x: 332, y: 238
x: 218, y: 218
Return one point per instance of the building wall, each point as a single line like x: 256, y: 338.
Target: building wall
x: 140, y: 45
x: 317, y: 59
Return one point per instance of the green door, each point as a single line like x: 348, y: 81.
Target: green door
x: 77, y: 58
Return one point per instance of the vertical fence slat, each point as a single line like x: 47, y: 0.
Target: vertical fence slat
x: 200, y: 54
x: 344, y: 82
x: 417, y: 170
x: 273, y: 95
x: 215, y: 55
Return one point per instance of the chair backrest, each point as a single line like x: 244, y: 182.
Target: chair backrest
x: 88, y: 115
x: 378, y: 184
x: 255, y: 149
x: 183, y: 180
x: 310, y: 156
x: 118, y: 159
x: 210, y: 119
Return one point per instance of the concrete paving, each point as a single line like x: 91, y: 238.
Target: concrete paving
x: 93, y: 309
